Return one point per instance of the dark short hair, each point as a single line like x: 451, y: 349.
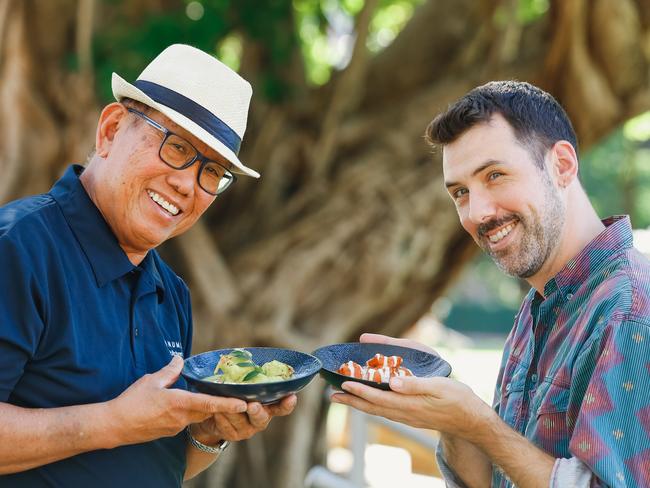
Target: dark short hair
x: 537, y: 119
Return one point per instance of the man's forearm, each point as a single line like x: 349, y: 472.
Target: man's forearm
x: 524, y: 463
x: 467, y: 461
x: 33, y: 437
x: 197, y: 461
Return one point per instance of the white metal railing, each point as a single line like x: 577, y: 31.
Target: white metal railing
x: 321, y: 477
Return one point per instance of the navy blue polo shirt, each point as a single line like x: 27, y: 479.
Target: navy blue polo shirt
x: 79, y: 323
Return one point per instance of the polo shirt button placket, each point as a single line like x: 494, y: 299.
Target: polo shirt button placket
x: 140, y: 316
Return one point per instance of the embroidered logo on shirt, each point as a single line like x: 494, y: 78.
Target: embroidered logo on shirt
x: 175, y: 348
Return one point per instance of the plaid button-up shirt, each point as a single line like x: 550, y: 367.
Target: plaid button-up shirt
x: 575, y: 374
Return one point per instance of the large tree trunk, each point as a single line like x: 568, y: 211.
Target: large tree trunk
x: 48, y: 112
x: 349, y: 229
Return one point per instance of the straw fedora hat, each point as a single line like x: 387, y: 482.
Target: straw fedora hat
x: 197, y: 92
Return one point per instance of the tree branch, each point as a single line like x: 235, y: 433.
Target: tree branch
x: 208, y: 271
x: 5, y: 5
x: 85, y: 18
x: 346, y: 96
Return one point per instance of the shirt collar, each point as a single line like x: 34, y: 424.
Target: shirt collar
x: 616, y: 237
x: 98, y: 242
x: 150, y: 265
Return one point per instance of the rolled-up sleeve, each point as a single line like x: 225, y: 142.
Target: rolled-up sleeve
x: 570, y: 472
x: 451, y: 478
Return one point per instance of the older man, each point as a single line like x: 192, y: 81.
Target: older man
x: 572, y: 403
x: 94, y: 323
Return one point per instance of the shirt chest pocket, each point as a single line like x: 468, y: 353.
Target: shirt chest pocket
x: 548, y: 427
x: 512, y: 395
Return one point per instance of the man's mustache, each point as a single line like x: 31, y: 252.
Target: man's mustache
x: 495, y: 224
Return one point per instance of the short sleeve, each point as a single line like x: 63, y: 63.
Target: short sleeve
x: 21, y: 319
x: 612, y: 427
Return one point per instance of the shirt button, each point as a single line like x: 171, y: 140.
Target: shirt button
x: 569, y: 296
x: 533, y: 378
x: 136, y: 332
x: 508, y: 387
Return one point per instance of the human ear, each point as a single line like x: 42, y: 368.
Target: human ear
x: 564, y: 163
x: 110, y: 120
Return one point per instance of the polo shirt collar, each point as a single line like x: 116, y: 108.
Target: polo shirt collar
x: 150, y: 265
x: 616, y: 237
x: 98, y: 242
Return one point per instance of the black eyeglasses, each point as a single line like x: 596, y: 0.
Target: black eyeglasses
x: 178, y: 153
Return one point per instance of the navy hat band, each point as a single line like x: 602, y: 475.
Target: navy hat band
x: 193, y: 111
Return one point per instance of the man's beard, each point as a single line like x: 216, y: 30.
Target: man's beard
x: 539, y: 235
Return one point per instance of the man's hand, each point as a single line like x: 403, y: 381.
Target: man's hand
x: 434, y: 403
x: 149, y: 409
x: 478, y: 436
x: 441, y: 404
x: 394, y: 341
x: 240, y: 426
x: 232, y: 427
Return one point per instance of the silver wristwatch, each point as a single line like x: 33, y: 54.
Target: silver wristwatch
x: 217, y: 449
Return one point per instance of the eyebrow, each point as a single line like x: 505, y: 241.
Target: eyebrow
x: 486, y: 164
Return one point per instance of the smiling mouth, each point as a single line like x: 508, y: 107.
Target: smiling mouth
x: 164, y: 204
x: 498, y: 236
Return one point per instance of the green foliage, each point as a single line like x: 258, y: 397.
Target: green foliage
x: 322, y: 31
x: 229, y: 50
x: 527, y: 12
x: 638, y: 128
x: 616, y: 172
x: 311, y: 28
x: 326, y: 31
x: 530, y: 10
x: 389, y: 20
x: 128, y: 41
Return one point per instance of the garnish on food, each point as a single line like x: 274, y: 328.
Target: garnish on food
x: 238, y: 367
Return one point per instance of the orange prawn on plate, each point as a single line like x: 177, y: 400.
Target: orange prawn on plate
x: 379, y: 369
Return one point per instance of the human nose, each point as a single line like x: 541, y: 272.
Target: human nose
x: 183, y: 180
x: 481, y: 207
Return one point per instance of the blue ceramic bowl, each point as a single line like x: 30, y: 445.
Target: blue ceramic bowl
x: 202, y: 365
x: 422, y: 364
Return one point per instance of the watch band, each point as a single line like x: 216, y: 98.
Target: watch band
x: 218, y: 449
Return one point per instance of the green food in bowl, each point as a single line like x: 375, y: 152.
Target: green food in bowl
x: 238, y: 367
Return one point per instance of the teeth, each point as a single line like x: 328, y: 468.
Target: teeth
x: 502, y: 233
x: 172, y: 209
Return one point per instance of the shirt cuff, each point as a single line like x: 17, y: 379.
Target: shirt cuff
x: 570, y: 472
x: 451, y: 479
